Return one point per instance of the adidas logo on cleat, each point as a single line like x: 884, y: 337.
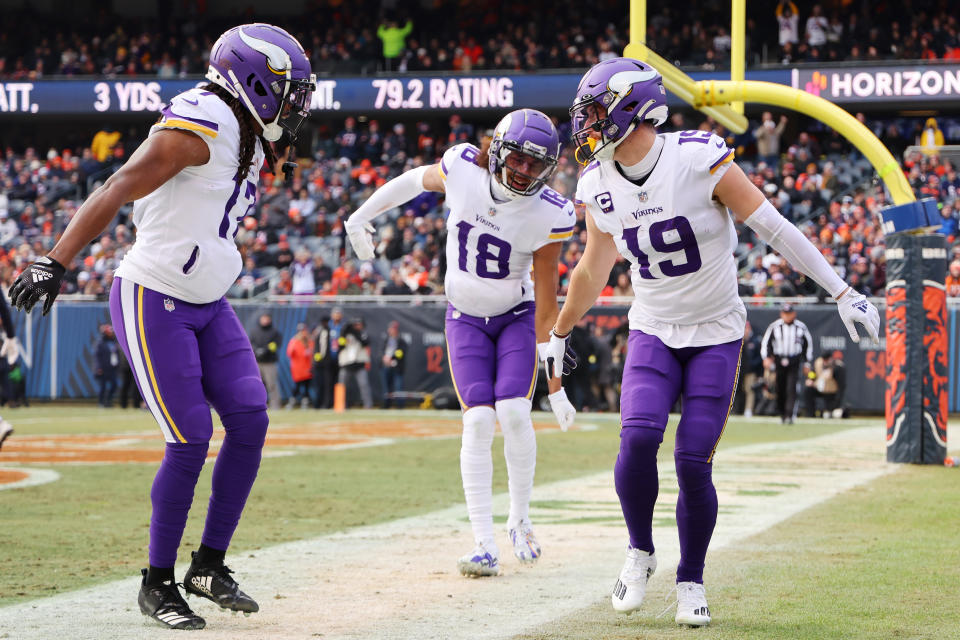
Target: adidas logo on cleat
x: 202, y: 583
x: 619, y: 590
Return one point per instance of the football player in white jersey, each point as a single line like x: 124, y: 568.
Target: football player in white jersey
x: 503, y: 220
x: 661, y: 201
x: 193, y: 179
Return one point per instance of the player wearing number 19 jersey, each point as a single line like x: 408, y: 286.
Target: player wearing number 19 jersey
x: 661, y: 201
x: 192, y: 180
x: 503, y: 221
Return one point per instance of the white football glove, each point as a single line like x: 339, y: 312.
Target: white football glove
x: 854, y: 307
x: 562, y: 409
x: 361, y: 238
x: 558, y: 356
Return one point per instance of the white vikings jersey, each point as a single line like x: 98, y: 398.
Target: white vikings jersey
x: 185, y: 229
x: 678, y: 239
x: 490, y: 244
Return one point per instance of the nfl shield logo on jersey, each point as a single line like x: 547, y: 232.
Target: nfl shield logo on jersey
x: 168, y: 304
x: 643, y: 196
x: 492, y: 212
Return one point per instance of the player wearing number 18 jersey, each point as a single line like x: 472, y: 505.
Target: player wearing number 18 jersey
x: 661, y: 201
x: 192, y: 180
x: 502, y: 222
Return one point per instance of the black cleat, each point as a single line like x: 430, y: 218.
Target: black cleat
x: 163, y: 603
x: 213, y: 582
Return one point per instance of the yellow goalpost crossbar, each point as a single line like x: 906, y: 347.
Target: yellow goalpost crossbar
x: 718, y: 99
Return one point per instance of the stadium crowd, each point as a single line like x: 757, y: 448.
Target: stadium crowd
x: 295, y: 244
x: 458, y: 36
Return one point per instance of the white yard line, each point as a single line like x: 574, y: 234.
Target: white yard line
x: 399, y: 580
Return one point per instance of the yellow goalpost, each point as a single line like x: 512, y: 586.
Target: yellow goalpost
x: 723, y: 100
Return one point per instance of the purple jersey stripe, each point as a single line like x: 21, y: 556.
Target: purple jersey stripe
x: 722, y: 158
x: 209, y: 124
x: 443, y: 166
x: 562, y: 229
x: 590, y: 167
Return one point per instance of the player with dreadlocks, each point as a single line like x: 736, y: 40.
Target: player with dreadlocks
x: 192, y: 181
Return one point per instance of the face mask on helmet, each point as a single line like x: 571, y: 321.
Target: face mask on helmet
x: 523, y: 172
x: 524, y: 152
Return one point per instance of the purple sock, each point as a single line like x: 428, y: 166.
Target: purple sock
x: 172, y: 495
x: 233, y: 475
x: 637, y: 482
x: 696, y: 517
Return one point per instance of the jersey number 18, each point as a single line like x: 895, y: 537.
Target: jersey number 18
x: 485, y: 242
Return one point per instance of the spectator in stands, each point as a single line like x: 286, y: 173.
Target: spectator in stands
x: 788, y: 21
x: 354, y: 358
x: 953, y: 279
x: 393, y: 363
x: 931, y: 138
x: 348, y: 140
x: 817, y: 27
x: 394, y: 40
x: 768, y: 138
x: 266, y: 340
x: 302, y: 273
x: 949, y: 223
x: 300, y: 353
x: 108, y: 362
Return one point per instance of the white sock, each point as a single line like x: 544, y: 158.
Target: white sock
x: 476, y: 468
x: 520, y: 452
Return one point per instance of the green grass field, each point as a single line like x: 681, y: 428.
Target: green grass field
x: 876, y: 562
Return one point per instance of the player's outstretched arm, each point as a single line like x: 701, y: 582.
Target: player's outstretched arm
x: 394, y: 193
x: 546, y: 278
x: 589, y: 277
x: 750, y: 206
x: 160, y: 157
x: 586, y: 282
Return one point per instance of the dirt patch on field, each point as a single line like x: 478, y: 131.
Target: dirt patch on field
x: 8, y: 476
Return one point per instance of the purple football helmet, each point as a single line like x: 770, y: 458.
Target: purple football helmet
x: 529, y: 140
x: 613, y: 97
x: 266, y: 68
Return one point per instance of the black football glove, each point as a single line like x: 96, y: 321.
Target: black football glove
x: 42, y: 278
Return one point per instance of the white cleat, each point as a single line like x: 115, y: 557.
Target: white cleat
x: 484, y: 560
x: 692, y: 606
x: 632, y: 584
x: 525, y: 545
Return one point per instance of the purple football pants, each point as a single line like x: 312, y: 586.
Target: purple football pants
x: 187, y: 357
x: 654, y: 377
x: 492, y: 358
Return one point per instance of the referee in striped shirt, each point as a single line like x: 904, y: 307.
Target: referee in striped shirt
x: 788, y: 345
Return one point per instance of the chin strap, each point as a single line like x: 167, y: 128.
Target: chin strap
x: 290, y: 166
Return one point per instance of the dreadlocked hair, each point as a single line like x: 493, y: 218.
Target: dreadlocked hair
x: 483, y: 159
x: 247, y: 136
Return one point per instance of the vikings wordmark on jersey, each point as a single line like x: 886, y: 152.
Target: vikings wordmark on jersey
x: 675, y: 259
x: 185, y: 229
x: 490, y: 244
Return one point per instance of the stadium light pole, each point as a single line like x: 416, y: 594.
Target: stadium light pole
x: 738, y: 37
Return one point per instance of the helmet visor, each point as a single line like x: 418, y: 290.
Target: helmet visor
x: 295, y: 107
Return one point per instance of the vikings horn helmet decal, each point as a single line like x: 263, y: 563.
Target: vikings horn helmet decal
x: 267, y: 69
